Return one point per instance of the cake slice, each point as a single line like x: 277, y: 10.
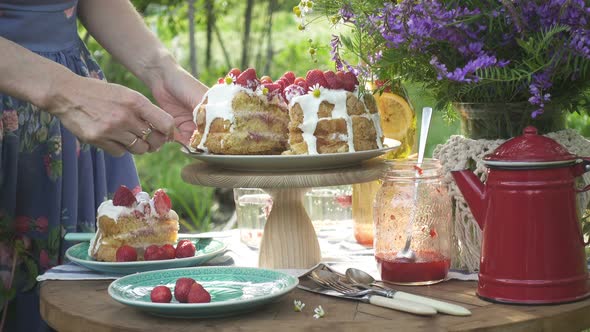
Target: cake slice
x: 135, y: 220
x: 242, y: 115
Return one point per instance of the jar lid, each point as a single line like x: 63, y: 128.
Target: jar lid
x: 530, y: 149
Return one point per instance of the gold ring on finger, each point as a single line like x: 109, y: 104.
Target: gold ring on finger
x: 132, y: 143
x: 146, y: 133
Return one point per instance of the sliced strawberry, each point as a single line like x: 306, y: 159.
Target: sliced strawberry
x: 316, y: 76
x: 350, y: 81
x: 235, y: 72
x: 198, y: 294
x: 293, y: 91
x: 265, y: 80
x: 126, y: 254
x: 182, y: 288
x: 271, y: 90
x: 169, y: 251
x: 248, y: 79
x: 333, y: 81
x: 290, y: 76
x: 162, y: 202
x: 124, y: 197
x: 299, y: 80
x: 302, y: 83
x: 161, y: 294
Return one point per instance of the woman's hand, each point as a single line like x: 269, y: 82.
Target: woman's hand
x: 178, y: 93
x: 110, y: 116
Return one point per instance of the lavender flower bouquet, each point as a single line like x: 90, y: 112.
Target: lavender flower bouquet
x: 502, y: 51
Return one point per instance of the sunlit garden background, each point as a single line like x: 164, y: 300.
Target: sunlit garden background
x: 262, y: 34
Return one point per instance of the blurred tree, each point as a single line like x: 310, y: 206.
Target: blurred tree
x: 246, y: 37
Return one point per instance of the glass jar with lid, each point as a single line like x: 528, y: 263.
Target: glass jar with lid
x: 413, y: 204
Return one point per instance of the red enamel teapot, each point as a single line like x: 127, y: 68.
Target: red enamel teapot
x: 532, y: 248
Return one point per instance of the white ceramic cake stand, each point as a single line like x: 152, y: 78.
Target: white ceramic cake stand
x: 289, y: 240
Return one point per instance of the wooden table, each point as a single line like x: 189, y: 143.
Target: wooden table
x: 86, y: 306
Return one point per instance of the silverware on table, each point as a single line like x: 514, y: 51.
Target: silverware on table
x: 310, y: 283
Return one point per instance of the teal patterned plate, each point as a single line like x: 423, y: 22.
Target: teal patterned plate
x: 234, y: 290
x: 207, y: 249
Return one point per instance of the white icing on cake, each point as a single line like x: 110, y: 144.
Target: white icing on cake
x: 310, y: 105
x: 219, y: 100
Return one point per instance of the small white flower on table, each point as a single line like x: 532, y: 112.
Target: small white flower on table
x: 298, y: 305
x: 319, y: 312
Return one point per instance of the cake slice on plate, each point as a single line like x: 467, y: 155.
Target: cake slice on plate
x: 135, y: 220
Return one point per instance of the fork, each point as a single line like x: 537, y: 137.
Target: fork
x: 189, y: 150
x: 365, y: 296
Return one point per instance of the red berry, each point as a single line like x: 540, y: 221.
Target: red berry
x: 198, y: 294
x: 290, y: 76
x: 316, y: 76
x: 235, y: 72
x: 248, y: 79
x: 350, y: 81
x: 221, y: 80
x: 273, y: 89
x: 151, y: 253
x: 126, y: 254
x: 302, y: 83
x: 185, y: 248
x: 333, y: 81
x: 182, y: 288
x: 169, y: 251
x: 124, y: 197
x: 162, y: 202
x: 265, y: 80
x: 161, y: 294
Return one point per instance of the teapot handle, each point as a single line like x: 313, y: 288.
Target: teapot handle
x: 584, y: 167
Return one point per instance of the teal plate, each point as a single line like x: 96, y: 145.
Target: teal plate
x: 207, y: 249
x: 234, y: 290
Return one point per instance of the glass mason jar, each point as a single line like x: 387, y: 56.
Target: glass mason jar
x: 398, y: 121
x: 413, y: 202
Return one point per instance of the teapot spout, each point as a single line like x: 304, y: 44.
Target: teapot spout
x: 474, y: 192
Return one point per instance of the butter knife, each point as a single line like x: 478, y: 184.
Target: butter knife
x: 400, y: 305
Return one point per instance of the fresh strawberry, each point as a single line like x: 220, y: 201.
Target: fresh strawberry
x: 151, y: 253
x: 162, y: 202
x: 185, y: 248
x: 126, y: 254
x: 198, y: 294
x: 316, y: 76
x: 282, y: 83
x: 235, y: 72
x: 124, y: 197
x: 169, y: 251
x: 271, y: 90
x: 221, y: 80
x: 350, y: 81
x: 302, y: 83
x: 182, y: 289
x: 161, y: 294
x: 293, y: 91
x: 265, y: 80
x: 248, y: 79
x: 333, y: 81
x: 290, y: 76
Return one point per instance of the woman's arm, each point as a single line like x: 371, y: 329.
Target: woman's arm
x: 117, y: 26
x: 106, y: 115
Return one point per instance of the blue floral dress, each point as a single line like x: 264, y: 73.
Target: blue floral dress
x: 50, y: 182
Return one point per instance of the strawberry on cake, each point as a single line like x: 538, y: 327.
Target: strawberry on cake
x: 242, y: 115
x: 321, y: 113
x: 133, y: 221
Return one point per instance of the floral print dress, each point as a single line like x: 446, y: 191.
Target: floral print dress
x: 50, y: 182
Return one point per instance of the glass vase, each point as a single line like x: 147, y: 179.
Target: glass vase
x: 505, y: 120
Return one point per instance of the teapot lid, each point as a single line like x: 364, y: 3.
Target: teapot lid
x: 530, y: 149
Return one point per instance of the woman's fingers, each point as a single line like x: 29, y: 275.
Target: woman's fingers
x: 150, y: 113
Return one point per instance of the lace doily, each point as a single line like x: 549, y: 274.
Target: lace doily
x: 461, y: 153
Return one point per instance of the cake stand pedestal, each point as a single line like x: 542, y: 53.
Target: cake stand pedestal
x: 289, y: 240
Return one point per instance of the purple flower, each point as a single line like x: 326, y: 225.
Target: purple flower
x: 346, y: 13
x: 335, y: 45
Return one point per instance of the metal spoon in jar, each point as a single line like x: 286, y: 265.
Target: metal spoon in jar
x: 361, y: 277
x: 406, y: 252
